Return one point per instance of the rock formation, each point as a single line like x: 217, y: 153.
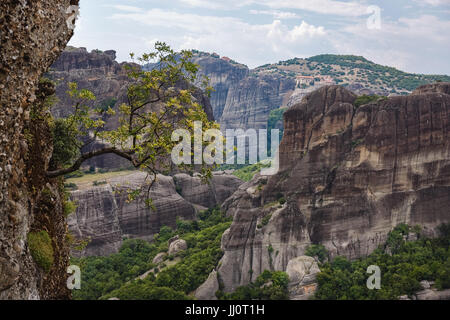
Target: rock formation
x: 242, y: 99
x: 177, y: 245
x: 33, y: 34
x: 105, y: 216
x: 302, y: 272
x: 347, y: 176
x: 223, y: 76
x: 100, y: 73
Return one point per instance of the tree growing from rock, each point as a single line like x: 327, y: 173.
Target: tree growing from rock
x: 159, y: 99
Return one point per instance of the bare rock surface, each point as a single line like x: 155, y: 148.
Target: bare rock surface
x: 347, y: 177
x: 105, y: 216
x: 159, y: 258
x: 32, y: 35
x: 208, y: 289
x: 302, y: 272
x: 177, y: 246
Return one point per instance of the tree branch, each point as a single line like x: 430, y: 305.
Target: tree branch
x: 86, y: 156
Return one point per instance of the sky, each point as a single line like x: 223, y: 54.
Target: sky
x: 411, y: 35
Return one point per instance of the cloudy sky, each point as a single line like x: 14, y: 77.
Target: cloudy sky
x: 412, y: 35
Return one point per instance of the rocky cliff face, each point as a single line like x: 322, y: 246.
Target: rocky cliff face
x: 32, y: 36
x: 223, y: 76
x: 100, y: 73
x: 347, y: 176
x: 249, y: 104
x: 97, y: 71
x: 105, y: 216
x: 242, y: 99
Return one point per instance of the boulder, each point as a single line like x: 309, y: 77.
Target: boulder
x: 159, y: 258
x: 208, y: 289
x: 302, y: 272
x: 177, y: 246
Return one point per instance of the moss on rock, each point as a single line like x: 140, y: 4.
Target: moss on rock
x: 41, y: 249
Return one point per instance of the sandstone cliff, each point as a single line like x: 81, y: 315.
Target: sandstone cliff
x: 241, y: 98
x: 33, y: 33
x: 347, y: 176
x: 105, y: 216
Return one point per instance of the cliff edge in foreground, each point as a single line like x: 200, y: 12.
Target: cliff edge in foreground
x: 348, y: 175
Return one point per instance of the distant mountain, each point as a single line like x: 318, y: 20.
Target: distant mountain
x: 349, y: 69
x: 244, y: 98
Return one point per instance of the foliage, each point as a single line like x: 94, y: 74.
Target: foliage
x: 317, y: 250
x: 71, y: 186
x: 386, y: 75
x: 365, y: 99
x: 270, y: 285
x: 103, y: 274
x: 248, y: 172
x: 158, y: 100
x: 66, y: 146
x: 41, y: 249
x: 403, y: 265
x: 69, y: 207
x: 139, y: 290
x: 266, y: 219
x: 99, y: 183
x: 114, y: 276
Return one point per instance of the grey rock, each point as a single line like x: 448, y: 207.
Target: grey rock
x: 209, y: 195
x: 207, y: 291
x: 159, y: 258
x: 32, y: 37
x: 302, y: 271
x: 430, y: 294
x: 425, y: 284
x: 105, y: 216
x: 346, y: 175
x: 177, y: 246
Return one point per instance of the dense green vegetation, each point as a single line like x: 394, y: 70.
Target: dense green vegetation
x: 317, y: 250
x: 365, y: 99
x: 270, y: 285
x: 248, y: 172
x: 403, y: 265
x: 41, y: 249
x: 275, y: 122
x: 387, y: 75
x: 66, y: 146
x: 114, y: 276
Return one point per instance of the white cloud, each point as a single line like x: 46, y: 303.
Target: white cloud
x: 276, y: 14
x: 433, y: 3
x: 329, y: 7
x: 126, y: 8
x: 252, y: 43
x: 410, y: 44
x: 333, y: 7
